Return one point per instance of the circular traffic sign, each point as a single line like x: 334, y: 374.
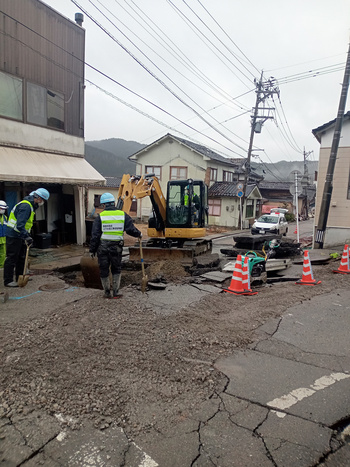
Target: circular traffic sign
x: 240, y: 194
x: 295, y: 174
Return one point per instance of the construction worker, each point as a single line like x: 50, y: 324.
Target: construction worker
x: 3, y: 224
x: 107, y: 241
x: 18, y: 236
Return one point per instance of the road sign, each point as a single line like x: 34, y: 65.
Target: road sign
x: 293, y: 191
x: 240, y: 186
x: 295, y: 174
x: 240, y: 194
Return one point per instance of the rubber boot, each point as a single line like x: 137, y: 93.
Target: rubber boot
x: 106, y: 287
x: 116, y: 284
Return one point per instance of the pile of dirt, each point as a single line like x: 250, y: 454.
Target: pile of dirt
x: 166, y: 271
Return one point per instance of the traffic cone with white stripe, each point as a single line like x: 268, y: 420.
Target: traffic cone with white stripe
x: 246, y: 276
x: 308, y: 277
x: 344, y: 263
x: 236, y: 286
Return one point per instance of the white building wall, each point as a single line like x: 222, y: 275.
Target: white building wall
x: 338, y: 223
x: 167, y: 155
x: 42, y: 139
x: 229, y: 214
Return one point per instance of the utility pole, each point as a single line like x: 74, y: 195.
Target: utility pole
x: 264, y: 90
x: 306, y: 178
x: 328, y: 186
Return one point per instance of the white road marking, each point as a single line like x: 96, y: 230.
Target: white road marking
x: 287, y: 400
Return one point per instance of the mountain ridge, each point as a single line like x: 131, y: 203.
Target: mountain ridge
x: 110, y: 158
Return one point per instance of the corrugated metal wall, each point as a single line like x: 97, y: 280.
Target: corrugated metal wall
x: 43, y: 47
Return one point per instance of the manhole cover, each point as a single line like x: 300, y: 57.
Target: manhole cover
x: 53, y: 287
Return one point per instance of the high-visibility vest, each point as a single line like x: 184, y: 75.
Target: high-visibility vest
x: 112, y: 223
x: 3, y: 224
x: 12, y: 222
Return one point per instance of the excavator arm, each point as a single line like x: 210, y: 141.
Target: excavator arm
x: 133, y: 187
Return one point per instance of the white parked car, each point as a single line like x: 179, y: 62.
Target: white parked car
x: 270, y: 223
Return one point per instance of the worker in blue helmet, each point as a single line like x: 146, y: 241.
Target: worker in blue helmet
x: 18, y: 236
x: 107, y: 240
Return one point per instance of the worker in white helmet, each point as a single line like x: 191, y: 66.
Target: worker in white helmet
x: 18, y: 236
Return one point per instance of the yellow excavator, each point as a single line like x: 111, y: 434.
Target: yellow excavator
x: 176, y: 225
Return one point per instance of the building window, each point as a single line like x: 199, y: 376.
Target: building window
x: 153, y: 169
x: 214, y: 207
x: 45, y: 107
x: 213, y: 175
x: 97, y: 200
x: 249, y: 210
x: 11, y: 89
x: 227, y: 176
x: 178, y: 173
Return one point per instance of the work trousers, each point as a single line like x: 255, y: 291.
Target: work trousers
x: 2, y: 251
x: 15, y: 258
x: 109, y: 255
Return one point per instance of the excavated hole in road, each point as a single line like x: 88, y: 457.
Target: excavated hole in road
x: 159, y: 272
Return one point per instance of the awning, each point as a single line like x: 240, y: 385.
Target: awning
x: 22, y: 165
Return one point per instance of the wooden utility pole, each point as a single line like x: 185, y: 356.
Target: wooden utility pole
x: 328, y: 186
x: 264, y: 89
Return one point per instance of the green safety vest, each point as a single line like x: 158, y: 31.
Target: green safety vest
x: 112, y: 223
x: 12, y: 221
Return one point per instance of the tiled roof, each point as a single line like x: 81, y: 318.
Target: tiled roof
x: 274, y: 185
x: 228, y: 189
x: 113, y: 182
x: 236, y: 163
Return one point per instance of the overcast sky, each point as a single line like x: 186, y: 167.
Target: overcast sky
x: 187, y: 67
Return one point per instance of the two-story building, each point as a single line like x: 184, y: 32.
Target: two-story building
x: 173, y: 158
x: 42, y: 115
x: 338, y: 223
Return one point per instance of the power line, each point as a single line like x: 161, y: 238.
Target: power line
x: 150, y: 72
x: 201, y: 20
x: 230, y: 39
x: 171, y: 48
x: 200, y: 33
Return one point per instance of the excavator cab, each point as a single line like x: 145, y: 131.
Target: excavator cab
x: 186, y: 204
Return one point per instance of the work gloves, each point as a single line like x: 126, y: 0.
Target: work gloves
x: 29, y: 241
x: 92, y: 255
x: 140, y: 235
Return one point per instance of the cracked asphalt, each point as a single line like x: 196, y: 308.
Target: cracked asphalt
x: 187, y: 376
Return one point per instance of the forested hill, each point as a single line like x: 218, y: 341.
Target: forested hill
x: 110, y: 158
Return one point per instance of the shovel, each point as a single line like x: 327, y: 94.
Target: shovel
x: 144, y: 276
x: 23, y: 280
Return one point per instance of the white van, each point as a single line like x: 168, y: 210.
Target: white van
x: 279, y: 211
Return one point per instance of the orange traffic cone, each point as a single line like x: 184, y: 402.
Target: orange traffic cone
x: 236, y: 286
x: 308, y: 278
x: 344, y: 263
x: 246, y: 276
